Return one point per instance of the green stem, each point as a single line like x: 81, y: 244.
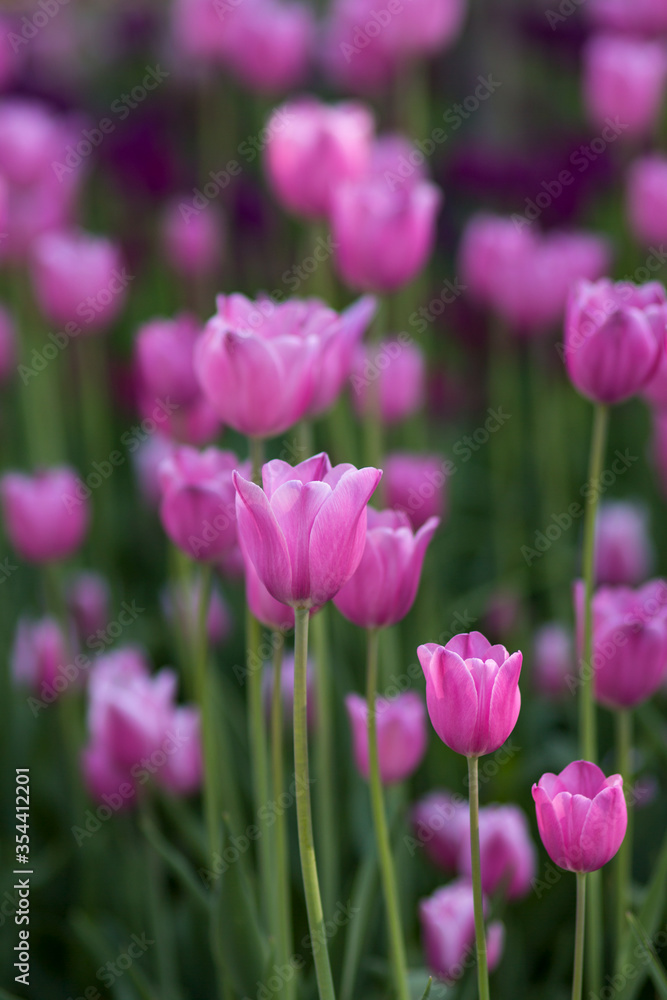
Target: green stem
x: 587, y: 718
x: 283, y: 910
x: 325, y: 764
x: 159, y: 915
x: 624, y: 856
x: 303, y: 811
x: 259, y: 764
x: 578, y: 975
x: 480, y: 937
x: 212, y: 809
x: 397, y: 945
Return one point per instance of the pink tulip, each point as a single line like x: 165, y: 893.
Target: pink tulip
x: 194, y: 240
x: 401, y: 735
x: 78, y: 278
x: 646, y: 199
x: 31, y: 138
x: 428, y: 26
x: 181, y: 607
x: 198, y: 500
x: 383, y: 588
x: 395, y: 369
x: 623, y: 551
x: 287, y: 691
x: 164, y: 353
x: 147, y: 459
x: 88, y: 597
x: 614, y: 337
x: 313, y: 149
x: 472, y: 692
x: 629, y: 660
x: 581, y: 816
x: 624, y: 80
x: 395, y: 158
x: 44, y: 517
x: 416, y: 485
x: 48, y: 205
x: 305, y: 532
x: 266, y: 609
x: 489, y: 245
x: 507, y: 851
x: 640, y: 17
x: 448, y: 931
x: 39, y: 656
x: 339, y: 338
x: 268, y: 44
x: 7, y: 343
x: 384, y: 235
x: 198, y: 30
x: 553, y: 658
x: 441, y: 824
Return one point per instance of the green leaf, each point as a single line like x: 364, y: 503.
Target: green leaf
x: 428, y: 988
x: 176, y: 862
x: 656, y: 968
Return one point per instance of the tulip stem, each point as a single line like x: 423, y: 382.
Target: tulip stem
x: 325, y: 808
x: 387, y: 872
x: 578, y: 975
x: 587, y: 719
x: 624, y: 856
x: 303, y: 810
x: 284, y: 910
x: 480, y: 936
x: 212, y: 810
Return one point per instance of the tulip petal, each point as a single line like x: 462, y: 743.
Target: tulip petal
x: 277, y: 472
x: 295, y: 507
x: 452, y: 702
x: 604, y: 829
x: 581, y: 777
x: 505, y: 702
x: 263, y: 540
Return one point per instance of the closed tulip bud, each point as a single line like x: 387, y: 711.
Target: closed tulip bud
x: 198, y: 501
x: 401, y: 735
x: 614, y: 336
x: 395, y: 370
x: 193, y: 241
x: 357, y: 60
x: 44, y: 518
x: 440, y: 822
x: 268, y: 44
x: 581, y: 816
x: 183, y: 770
x: 181, y: 605
x: 416, y: 485
x: 78, y: 278
x: 623, y: 551
x: 39, y: 655
x: 383, y: 236
x: 383, y: 588
x: 305, y: 531
x: 147, y: 459
x: 31, y: 138
x: 472, y: 692
x: 88, y: 602
x: 448, y: 931
x: 646, y: 199
x: 164, y: 357
x: 507, y: 851
x: 624, y: 80
x: 7, y: 343
x: 629, y: 659
x: 287, y: 691
x: 314, y: 148
x: 553, y: 659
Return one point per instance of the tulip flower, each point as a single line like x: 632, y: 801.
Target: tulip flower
x: 623, y: 552
x: 440, y: 823
x: 180, y: 606
x: 147, y: 459
x: 287, y: 691
x: 507, y: 851
x: 415, y: 485
x: 305, y: 531
x: 383, y: 235
x: 401, y: 735
x: 88, y: 602
x: 642, y: 17
x: 383, y: 588
x: 198, y: 501
x: 553, y: 658
x: 314, y: 148
x: 614, y: 336
x: 624, y: 80
x: 646, y: 199
x: 193, y: 241
x: 266, y: 609
x: 31, y: 138
x: 448, y: 931
x: 44, y: 517
x: 78, y: 278
x: 394, y: 369
x: 38, y: 657
x: 164, y: 357
x: 472, y: 692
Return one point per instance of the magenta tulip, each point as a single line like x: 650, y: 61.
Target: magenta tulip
x: 396, y: 370
x: 384, y: 235
x: 164, y: 353
x: 266, y: 609
x: 198, y: 509
x: 147, y: 459
x: 39, y: 656
x: 472, y: 692
x: 181, y: 606
x: 79, y: 278
x: 448, y: 931
x: 193, y: 238
x: 268, y: 44
x: 553, y: 659
x: 383, y: 588
x: 88, y: 598
x: 287, y: 691
x: 441, y: 823
x: 313, y: 149
x: 305, y: 532
x: 614, y: 337
x: 623, y: 551
x: 401, y: 735
x: 416, y: 485
x: 507, y: 851
x: 646, y: 199
x: 581, y: 816
x: 45, y: 518
x: 639, y: 17
x: 624, y: 81
x: 31, y: 138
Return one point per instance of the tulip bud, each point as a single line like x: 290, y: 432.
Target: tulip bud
x: 88, y: 602
x: 401, y: 735
x: 647, y: 200
x: 193, y: 241
x: 507, y: 851
x: 39, y: 655
x: 624, y: 80
x: 440, y: 821
x: 448, y: 931
x: 395, y: 369
x: 623, y: 552
x: 44, y: 517
x: 416, y: 485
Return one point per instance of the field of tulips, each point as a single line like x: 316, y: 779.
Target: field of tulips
x: 333, y: 473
